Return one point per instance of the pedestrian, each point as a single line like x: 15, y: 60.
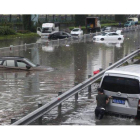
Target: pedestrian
x: 102, y: 100
x: 119, y: 24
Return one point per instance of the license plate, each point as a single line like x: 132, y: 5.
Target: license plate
x: 118, y: 101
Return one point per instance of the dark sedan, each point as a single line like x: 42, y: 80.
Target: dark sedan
x: 20, y: 63
x: 59, y: 35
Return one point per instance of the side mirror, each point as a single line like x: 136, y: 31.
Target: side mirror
x: 28, y: 67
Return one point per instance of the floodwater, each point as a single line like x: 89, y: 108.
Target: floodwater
x: 20, y: 91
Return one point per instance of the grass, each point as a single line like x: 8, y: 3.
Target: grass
x: 17, y: 35
x: 137, y: 57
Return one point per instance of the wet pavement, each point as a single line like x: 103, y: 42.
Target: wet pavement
x: 21, y: 91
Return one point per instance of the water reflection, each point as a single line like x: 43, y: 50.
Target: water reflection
x: 20, y: 91
x: 112, y: 43
x: 47, y: 48
x: 80, y: 62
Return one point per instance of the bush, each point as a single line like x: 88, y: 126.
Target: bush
x: 5, y: 30
x: 107, y: 21
x: 23, y: 31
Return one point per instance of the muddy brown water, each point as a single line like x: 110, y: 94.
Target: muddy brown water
x: 20, y: 91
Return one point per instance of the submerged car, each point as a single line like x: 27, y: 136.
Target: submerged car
x: 76, y: 32
x: 108, y: 36
x: 129, y: 24
x: 106, y: 29
x: 59, y: 35
x: 20, y: 63
x: 123, y: 84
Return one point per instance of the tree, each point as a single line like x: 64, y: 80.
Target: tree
x: 10, y: 17
x: 120, y: 18
x: 80, y: 20
x: 27, y: 22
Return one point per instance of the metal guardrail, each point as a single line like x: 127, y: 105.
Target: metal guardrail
x: 57, y: 101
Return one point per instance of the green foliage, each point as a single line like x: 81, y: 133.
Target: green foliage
x: 80, y: 20
x: 120, y: 18
x: 17, y: 35
x: 27, y: 22
x: 5, y: 30
x: 108, y: 21
x: 102, y: 25
x: 23, y: 31
x: 109, y: 24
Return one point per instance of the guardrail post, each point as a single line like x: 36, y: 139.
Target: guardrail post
x: 110, y: 64
x: 40, y: 119
x: 58, y: 42
x: 84, y: 38
x: 13, y: 120
x: 51, y: 43
x: 78, y: 39
x: 89, y: 89
x: 11, y: 47
x: 25, y: 47
x: 76, y: 95
x: 71, y: 39
x: 59, y: 106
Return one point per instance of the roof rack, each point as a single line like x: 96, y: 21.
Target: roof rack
x: 11, y: 57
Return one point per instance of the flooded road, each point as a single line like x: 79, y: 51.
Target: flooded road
x: 21, y: 91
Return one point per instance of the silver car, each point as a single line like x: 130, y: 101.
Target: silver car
x: 20, y: 63
x: 123, y: 84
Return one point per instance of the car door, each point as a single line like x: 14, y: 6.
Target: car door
x: 8, y: 64
x: 110, y: 37
x: 115, y: 36
x: 64, y: 35
x: 20, y: 64
x: 54, y: 36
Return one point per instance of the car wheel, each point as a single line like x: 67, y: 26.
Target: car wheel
x: 102, y: 39
x: 119, y: 38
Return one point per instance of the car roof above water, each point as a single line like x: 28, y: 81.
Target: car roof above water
x: 11, y: 57
x: 132, y: 70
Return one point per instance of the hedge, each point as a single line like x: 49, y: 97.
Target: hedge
x: 5, y: 30
x: 23, y: 31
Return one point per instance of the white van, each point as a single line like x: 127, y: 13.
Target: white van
x: 123, y: 84
x: 47, y: 29
x: 133, y: 19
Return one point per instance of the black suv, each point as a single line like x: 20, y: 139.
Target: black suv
x: 19, y: 63
x: 59, y: 35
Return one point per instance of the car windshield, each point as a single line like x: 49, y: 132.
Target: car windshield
x: 29, y: 62
x: 121, y: 84
x: 127, y: 22
x: 107, y: 28
x: 103, y: 34
x: 75, y: 30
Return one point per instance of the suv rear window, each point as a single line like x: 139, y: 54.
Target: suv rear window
x: 120, y: 84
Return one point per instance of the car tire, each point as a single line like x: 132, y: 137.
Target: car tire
x: 119, y: 38
x: 102, y: 39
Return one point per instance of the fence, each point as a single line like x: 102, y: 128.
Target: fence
x: 127, y: 29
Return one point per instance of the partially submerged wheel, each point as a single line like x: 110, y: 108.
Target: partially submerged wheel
x: 102, y: 39
x: 119, y: 38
